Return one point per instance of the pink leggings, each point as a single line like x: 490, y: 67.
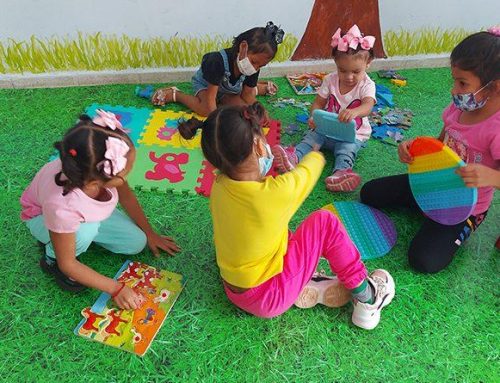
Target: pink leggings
x: 321, y: 234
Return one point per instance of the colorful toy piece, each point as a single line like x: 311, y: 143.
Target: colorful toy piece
x: 302, y: 118
x: 328, y: 124
x: 133, y: 330
x: 398, y: 82
x: 372, y: 231
x: 438, y: 190
x: 145, y: 92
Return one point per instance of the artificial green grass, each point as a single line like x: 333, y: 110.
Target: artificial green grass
x: 439, y: 328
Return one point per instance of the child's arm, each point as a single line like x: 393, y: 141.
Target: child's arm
x: 477, y: 175
x: 319, y: 103
x: 155, y: 241
x: 363, y: 110
x: 248, y: 94
x: 64, y: 248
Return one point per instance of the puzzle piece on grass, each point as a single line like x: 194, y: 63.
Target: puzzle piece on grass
x: 291, y: 129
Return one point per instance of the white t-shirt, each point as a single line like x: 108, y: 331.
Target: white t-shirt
x: 336, y: 102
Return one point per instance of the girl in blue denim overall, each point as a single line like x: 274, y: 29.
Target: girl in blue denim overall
x: 230, y: 76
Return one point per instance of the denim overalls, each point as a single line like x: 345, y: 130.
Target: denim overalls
x: 225, y: 86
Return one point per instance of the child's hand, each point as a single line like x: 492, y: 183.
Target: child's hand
x: 128, y: 299
x: 477, y: 175
x: 159, y: 97
x: 347, y: 115
x: 311, y: 123
x: 404, y: 153
x: 157, y: 242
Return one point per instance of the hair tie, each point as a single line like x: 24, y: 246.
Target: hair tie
x: 495, y: 31
x: 275, y: 32
x: 72, y: 152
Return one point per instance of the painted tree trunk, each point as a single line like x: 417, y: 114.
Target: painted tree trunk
x: 327, y: 16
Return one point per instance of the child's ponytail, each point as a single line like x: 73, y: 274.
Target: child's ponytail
x: 187, y: 129
x: 228, y: 134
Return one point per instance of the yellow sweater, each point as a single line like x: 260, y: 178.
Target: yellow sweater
x: 251, y: 219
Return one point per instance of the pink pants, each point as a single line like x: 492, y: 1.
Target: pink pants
x: 321, y: 234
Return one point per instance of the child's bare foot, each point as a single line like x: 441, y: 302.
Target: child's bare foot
x: 266, y: 88
x: 164, y: 96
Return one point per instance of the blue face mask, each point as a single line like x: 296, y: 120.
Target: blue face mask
x: 467, y: 102
x: 266, y: 163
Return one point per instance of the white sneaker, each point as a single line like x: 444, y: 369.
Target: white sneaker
x: 325, y: 290
x: 368, y: 316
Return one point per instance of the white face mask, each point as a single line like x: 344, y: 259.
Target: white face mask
x: 246, y: 67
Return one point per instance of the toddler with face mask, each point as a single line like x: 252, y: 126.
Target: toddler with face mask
x: 230, y: 76
x: 472, y: 130
x: 264, y: 266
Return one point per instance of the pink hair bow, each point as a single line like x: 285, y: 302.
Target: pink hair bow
x: 108, y: 119
x: 352, y: 39
x: 115, y: 160
x: 494, y: 30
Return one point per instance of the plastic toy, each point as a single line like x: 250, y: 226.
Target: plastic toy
x: 372, y: 231
x: 390, y: 73
x: 284, y: 102
x: 302, y: 118
x: 133, y: 330
x: 291, y: 129
x: 329, y: 125
x: 398, y: 82
x: 438, y: 190
x: 384, y: 96
x: 306, y: 83
x: 145, y: 92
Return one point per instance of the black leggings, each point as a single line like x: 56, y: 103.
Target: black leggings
x: 434, y: 246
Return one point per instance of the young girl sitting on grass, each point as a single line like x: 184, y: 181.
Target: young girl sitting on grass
x: 472, y: 130
x: 350, y: 93
x: 266, y: 268
x: 231, y: 75
x: 72, y: 201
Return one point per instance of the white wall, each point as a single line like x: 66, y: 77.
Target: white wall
x: 414, y: 14
x: 19, y: 19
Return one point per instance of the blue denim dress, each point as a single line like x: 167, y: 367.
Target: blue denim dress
x: 225, y: 86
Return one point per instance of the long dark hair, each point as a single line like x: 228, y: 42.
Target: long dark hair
x: 81, y: 150
x: 228, y: 134
x: 260, y: 39
x: 480, y: 54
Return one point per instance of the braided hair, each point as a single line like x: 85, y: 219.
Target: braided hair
x: 82, y: 152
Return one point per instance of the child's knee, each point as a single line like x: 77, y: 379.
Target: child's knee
x: 138, y: 242
x: 366, y: 194
x: 425, y: 260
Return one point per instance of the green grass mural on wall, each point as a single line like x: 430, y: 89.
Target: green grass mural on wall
x: 99, y: 52
x: 423, y: 41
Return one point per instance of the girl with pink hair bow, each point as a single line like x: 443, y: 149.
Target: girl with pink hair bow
x: 72, y: 202
x: 348, y: 92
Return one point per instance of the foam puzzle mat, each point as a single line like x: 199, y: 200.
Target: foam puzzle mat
x: 165, y: 161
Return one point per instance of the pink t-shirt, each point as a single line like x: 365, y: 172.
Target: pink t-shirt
x: 477, y: 143
x: 62, y: 214
x: 335, y: 101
